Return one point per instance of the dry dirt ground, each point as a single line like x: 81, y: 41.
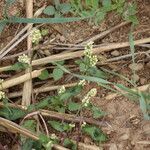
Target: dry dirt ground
x: 126, y: 128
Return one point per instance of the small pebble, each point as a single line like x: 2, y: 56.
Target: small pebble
x: 115, y: 53
x: 124, y: 137
x: 113, y: 146
x: 142, y: 81
x: 136, y: 66
x: 148, y: 64
x: 136, y: 78
x: 62, y: 39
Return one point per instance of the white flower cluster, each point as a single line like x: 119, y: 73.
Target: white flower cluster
x: 2, y: 95
x: 88, y: 53
x: 82, y: 82
x: 93, y: 60
x: 83, y: 124
x: 71, y: 125
x: 62, y: 90
x: 24, y: 59
x: 87, y: 97
x: 1, y: 81
x: 53, y: 136
x: 49, y: 144
x: 36, y: 36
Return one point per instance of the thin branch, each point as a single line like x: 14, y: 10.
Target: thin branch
x: 15, y: 128
x: 18, y: 80
x: 41, y: 90
x: 27, y: 87
x: 103, y: 34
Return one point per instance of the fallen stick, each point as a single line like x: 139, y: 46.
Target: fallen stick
x: 27, y: 87
x: 60, y: 116
x: 15, y: 81
x: 15, y: 128
x: 140, y: 88
x: 103, y: 34
x: 70, y: 118
x: 71, y: 55
x: 40, y: 90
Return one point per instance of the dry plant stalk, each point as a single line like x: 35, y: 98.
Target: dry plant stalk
x: 27, y: 88
x: 140, y: 88
x: 15, y: 81
x: 15, y: 128
x: 41, y: 90
x: 72, y: 55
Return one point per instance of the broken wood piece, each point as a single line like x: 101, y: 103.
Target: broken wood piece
x: 18, y: 80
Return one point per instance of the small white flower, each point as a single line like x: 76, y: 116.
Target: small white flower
x: 85, y: 99
x: 83, y: 124
x: 36, y: 36
x: 71, y: 125
x: 2, y: 95
x: 62, y: 90
x: 93, y: 60
x: 89, y: 45
x: 88, y: 53
x: 1, y: 81
x: 53, y: 136
x: 92, y: 92
x: 24, y: 59
x: 82, y: 82
x: 49, y: 144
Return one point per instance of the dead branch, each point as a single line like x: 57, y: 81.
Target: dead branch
x: 41, y: 90
x: 103, y: 34
x: 15, y: 128
x: 15, y: 81
x: 27, y: 87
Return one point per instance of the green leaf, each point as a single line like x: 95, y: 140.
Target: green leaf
x: 43, y: 20
x: 126, y: 89
x: 30, y: 125
x: 92, y: 79
x: 107, y: 5
x: 2, y: 25
x: 40, y: 105
x: 95, y: 133
x: 143, y: 106
x: 49, y: 10
x: 12, y: 113
x: 65, y: 7
x: 100, y: 16
x: 94, y: 71
x: 18, y: 67
x: 44, y: 75
x: 73, y: 106
x: 59, y: 126
x: 97, y: 113
x: 10, y: 2
x: 82, y: 67
x: 31, y: 144
x: 57, y: 74
x: 70, y: 144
